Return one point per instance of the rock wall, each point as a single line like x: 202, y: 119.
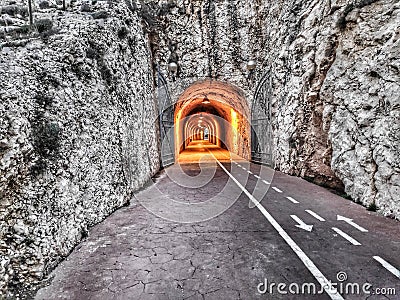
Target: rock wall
x: 334, y: 73
x: 77, y: 133
x: 362, y: 106
x: 336, y: 96
x: 77, y: 123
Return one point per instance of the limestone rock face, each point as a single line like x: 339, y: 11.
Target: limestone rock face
x: 77, y: 136
x: 77, y: 112
x: 362, y: 96
x: 333, y: 67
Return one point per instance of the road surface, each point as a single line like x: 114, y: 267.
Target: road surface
x: 218, y: 227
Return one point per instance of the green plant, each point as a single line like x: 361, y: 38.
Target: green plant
x: 92, y: 53
x: 372, y: 206
x: 38, y: 167
x: 100, y: 14
x: 47, y: 139
x: 44, y: 25
x: 123, y: 32
x: 346, y: 196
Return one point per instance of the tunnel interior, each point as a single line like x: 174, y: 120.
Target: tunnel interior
x: 212, y: 114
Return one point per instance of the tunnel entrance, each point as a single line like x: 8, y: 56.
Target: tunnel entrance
x: 211, y: 116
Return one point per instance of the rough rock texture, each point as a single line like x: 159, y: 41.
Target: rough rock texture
x: 340, y: 47
x: 362, y: 96
x: 208, y: 39
x: 77, y: 136
x: 77, y: 130
x: 334, y: 80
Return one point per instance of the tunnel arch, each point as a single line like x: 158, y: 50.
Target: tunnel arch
x: 226, y: 116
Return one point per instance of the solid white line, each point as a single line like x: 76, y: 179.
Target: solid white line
x: 388, y: 266
x: 292, y: 200
x: 346, y: 236
x: 256, y: 176
x: 276, y: 189
x: 315, y: 215
x: 266, y: 182
x: 324, y: 282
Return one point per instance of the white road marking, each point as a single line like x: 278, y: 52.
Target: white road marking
x: 346, y: 236
x: 239, y: 165
x: 292, y: 200
x: 250, y: 172
x: 350, y: 222
x: 323, y: 281
x: 301, y: 224
x: 266, y: 182
x: 276, y: 189
x: 388, y: 266
x: 256, y: 176
x: 315, y: 215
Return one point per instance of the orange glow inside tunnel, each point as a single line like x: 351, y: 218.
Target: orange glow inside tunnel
x: 235, y: 127
x: 218, y: 107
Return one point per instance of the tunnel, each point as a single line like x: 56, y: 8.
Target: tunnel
x: 211, y: 114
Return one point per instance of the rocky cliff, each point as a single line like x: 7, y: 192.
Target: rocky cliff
x: 77, y: 132
x: 333, y: 67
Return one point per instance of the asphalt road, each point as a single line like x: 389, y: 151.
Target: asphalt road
x: 223, y: 229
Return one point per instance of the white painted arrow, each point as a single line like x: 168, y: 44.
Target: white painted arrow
x: 350, y: 222
x: 301, y: 224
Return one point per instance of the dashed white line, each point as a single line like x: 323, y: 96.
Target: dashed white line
x: 256, y: 176
x: 388, y: 266
x: 315, y: 215
x: 292, y: 200
x: 350, y: 222
x: 323, y: 281
x: 266, y: 182
x: 250, y: 172
x: 346, y: 236
x: 276, y: 189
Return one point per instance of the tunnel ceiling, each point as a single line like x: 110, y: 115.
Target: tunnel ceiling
x: 202, y: 108
x: 221, y: 95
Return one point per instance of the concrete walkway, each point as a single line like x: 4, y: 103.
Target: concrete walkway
x: 137, y: 253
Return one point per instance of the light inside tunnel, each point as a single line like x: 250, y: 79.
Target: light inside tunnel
x: 221, y: 121
x: 235, y: 127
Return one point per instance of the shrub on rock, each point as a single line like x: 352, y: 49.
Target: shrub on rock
x: 100, y: 14
x: 43, y: 25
